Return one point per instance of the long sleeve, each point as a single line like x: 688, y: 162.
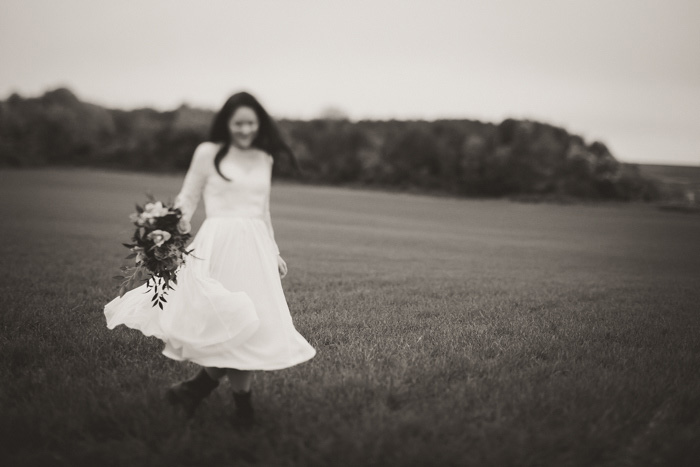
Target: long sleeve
x: 188, y: 198
x: 268, y: 223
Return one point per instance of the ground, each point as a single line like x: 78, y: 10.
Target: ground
x: 449, y: 332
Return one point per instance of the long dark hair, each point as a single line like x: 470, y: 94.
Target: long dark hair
x: 268, y: 138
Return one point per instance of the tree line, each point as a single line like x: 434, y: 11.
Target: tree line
x: 459, y: 157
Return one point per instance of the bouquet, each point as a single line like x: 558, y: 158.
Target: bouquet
x: 158, y: 249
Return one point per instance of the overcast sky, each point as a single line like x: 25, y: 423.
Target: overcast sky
x: 626, y: 72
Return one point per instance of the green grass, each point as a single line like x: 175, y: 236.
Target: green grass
x: 449, y: 333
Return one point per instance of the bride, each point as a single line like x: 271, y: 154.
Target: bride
x: 228, y: 312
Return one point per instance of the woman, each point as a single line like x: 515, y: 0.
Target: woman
x: 227, y: 312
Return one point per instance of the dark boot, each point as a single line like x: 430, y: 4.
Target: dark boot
x: 188, y: 394
x: 244, y: 415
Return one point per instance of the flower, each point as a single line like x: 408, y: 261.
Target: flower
x: 184, y: 226
x: 154, y: 210
x: 159, y: 237
x: 158, y: 246
x: 137, y: 219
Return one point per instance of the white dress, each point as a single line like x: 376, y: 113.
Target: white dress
x: 228, y: 308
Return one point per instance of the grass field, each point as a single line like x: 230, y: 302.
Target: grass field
x: 674, y: 179
x: 449, y: 333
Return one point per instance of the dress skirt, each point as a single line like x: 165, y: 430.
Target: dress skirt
x: 228, y: 308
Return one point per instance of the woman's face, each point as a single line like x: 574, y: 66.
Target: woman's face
x: 243, y: 126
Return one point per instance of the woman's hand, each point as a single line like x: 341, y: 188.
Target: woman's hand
x: 281, y: 267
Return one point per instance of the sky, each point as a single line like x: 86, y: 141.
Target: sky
x: 624, y: 72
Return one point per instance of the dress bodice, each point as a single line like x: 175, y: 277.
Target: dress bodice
x: 247, y: 194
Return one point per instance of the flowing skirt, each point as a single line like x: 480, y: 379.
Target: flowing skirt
x: 228, y: 308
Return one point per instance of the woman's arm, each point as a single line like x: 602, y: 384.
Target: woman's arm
x: 268, y: 223
x: 281, y: 264
x: 196, y: 177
